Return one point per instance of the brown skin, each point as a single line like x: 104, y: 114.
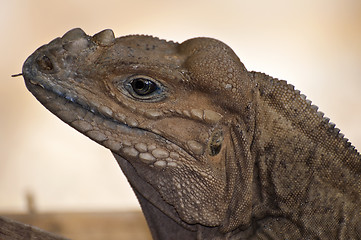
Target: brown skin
x: 211, y: 150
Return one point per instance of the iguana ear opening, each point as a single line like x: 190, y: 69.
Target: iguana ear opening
x: 215, y: 143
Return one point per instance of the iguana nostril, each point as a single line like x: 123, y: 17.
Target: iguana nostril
x: 44, y: 63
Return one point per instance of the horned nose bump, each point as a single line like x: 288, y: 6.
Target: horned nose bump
x: 73, y: 35
x: 75, y: 40
x: 104, y: 38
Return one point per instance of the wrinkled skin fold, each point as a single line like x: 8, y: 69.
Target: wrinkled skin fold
x: 211, y: 150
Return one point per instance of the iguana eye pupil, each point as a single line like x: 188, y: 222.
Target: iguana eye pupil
x: 143, y: 86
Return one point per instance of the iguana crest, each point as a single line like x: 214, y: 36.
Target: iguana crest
x: 211, y: 150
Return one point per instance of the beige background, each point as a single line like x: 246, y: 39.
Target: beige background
x: 315, y: 45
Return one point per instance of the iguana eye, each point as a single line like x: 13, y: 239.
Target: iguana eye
x: 142, y: 86
x: 145, y: 88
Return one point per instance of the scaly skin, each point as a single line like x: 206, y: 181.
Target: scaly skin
x: 211, y: 150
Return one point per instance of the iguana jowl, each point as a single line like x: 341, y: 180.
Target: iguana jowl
x: 211, y: 150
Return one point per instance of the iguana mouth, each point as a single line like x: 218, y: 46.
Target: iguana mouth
x: 129, y: 145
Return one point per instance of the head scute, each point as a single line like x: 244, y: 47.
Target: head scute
x: 215, y: 68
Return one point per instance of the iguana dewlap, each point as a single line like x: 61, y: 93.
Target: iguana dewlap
x: 211, y: 150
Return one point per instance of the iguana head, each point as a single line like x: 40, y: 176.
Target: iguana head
x: 167, y: 108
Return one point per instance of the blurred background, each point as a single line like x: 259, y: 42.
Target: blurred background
x: 46, y: 166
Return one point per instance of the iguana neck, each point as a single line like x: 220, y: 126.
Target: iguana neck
x: 298, y: 155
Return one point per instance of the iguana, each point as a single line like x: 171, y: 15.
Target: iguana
x: 211, y: 150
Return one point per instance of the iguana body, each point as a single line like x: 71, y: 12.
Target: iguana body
x: 211, y: 150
